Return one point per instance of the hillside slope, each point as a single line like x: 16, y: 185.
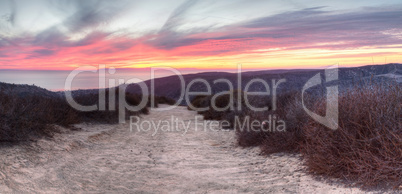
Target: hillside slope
x: 295, y: 79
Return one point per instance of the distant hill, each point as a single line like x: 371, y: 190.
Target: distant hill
x: 24, y: 90
x: 295, y: 79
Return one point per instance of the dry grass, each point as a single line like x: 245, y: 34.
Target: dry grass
x: 28, y: 112
x: 31, y: 115
x: 26, y: 117
x: 107, y: 116
x: 220, y: 102
x: 200, y: 101
x: 288, y: 109
x: 164, y: 100
x: 367, y: 147
x: 291, y: 112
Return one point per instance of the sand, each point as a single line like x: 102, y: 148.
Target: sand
x: 103, y: 158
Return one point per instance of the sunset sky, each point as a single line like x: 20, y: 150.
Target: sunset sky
x: 208, y: 34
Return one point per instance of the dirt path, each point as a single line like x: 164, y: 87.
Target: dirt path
x: 110, y: 158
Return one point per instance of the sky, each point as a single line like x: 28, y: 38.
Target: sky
x: 49, y: 36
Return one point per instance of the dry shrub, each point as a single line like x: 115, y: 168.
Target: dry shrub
x: 290, y: 110
x: 247, y: 137
x: 150, y: 104
x: 221, y: 102
x: 159, y: 100
x: 108, y: 116
x: 28, y: 117
x: 30, y: 114
x: 135, y: 100
x: 367, y: 146
x: 99, y: 116
x: 199, y: 101
x: 164, y: 100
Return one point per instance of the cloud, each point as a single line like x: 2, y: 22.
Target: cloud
x: 312, y: 28
x: 48, y: 37
x: 284, y: 19
x: 13, y: 12
x: 44, y: 52
x: 10, y: 16
x: 308, y: 28
x: 175, y: 18
x: 53, y: 37
x: 40, y: 53
x: 168, y: 37
x: 90, y: 14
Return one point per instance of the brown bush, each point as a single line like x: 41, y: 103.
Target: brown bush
x: 367, y: 146
x: 221, y: 102
x: 28, y: 117
x: 135, y: 100
x: 108, y: 116
x: 199, y: 101
x: 31, y: 115
x: 288, y: 109
x: 164, y: 100
x: 249, y: 138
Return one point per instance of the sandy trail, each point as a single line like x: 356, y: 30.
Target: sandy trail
x: 111, y: 159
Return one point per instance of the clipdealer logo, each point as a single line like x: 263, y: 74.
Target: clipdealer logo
x: 330, y: 119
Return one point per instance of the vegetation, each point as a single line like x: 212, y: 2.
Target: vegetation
x: 108, y: 115
x: 28, y: 112
x: 163, y: 100
x: 366, y: 148
x: 26, y: 117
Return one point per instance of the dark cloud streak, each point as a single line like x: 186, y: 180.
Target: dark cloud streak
x: 167, y: 35
x: 90, y: 14
x: 363, y: 27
